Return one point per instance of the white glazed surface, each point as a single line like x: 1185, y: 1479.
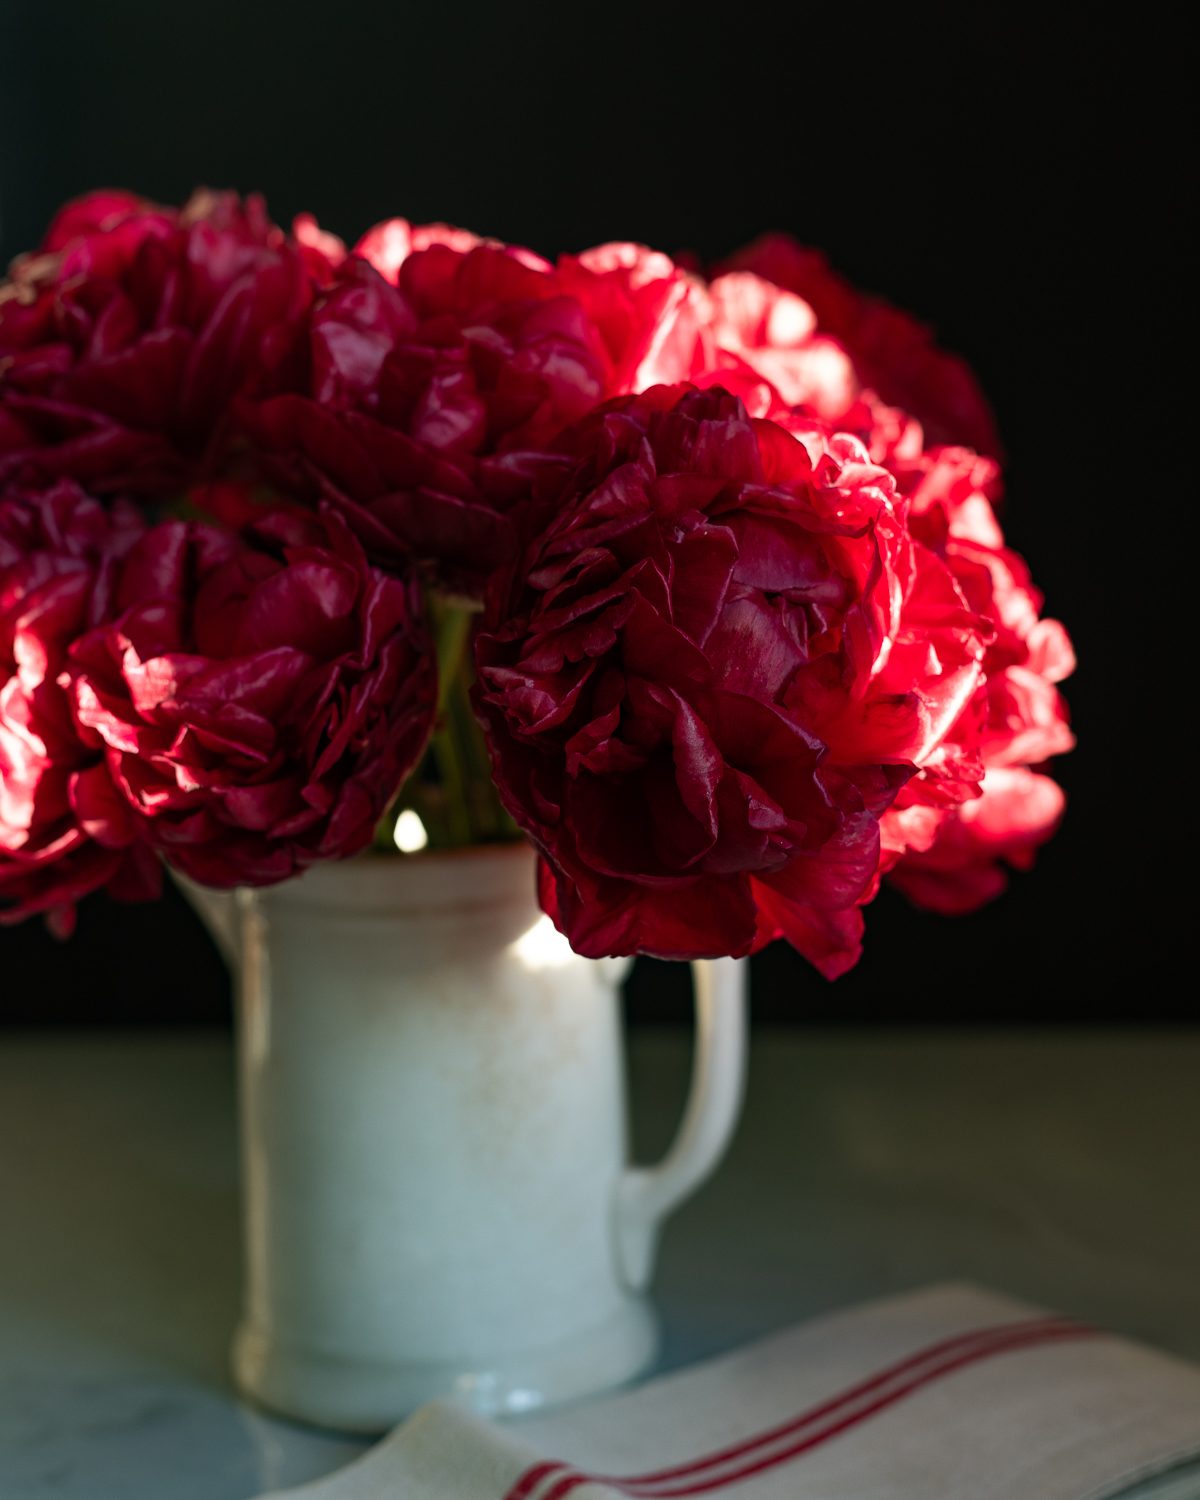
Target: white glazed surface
x: 434, y: 1144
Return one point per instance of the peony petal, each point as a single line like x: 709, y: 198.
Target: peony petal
x: 307, y: 607
x: 831, y: 940
x: 103, y: 813
x: 838, y: 873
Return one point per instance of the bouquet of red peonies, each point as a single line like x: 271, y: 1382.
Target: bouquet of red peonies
x: 694, y: 581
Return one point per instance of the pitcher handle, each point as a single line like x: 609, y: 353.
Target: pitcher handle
x: 645, y: 1195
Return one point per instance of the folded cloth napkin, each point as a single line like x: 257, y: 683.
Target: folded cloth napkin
x: 952, y: 1393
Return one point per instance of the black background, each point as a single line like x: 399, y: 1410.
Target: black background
x: 1011, y: 177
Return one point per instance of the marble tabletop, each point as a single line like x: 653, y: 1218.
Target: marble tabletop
x: 1060, y: 1167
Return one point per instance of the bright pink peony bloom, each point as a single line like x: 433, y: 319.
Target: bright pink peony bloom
x: 959, y: 869
x: 442, y: 369
x: 1017, y: 720
x: 768, y: 347
x: 63, y: 831
x: 764, y: 345
x: 709, y: 675
x: 891, y: 353
x: 123, y: 340
x: 257, y: 705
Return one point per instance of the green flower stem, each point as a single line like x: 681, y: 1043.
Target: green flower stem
x: 452, y: 790
x: 453, y: 628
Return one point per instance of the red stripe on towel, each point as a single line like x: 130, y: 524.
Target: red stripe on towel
x: 811, y: 1428
x: 531, y: 1478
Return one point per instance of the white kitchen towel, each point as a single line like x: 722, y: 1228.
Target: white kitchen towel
x: 951, y: 1393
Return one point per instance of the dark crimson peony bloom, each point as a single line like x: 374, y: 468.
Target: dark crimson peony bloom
x: 707, y: 678
x: 257, y: 702
x: 63, y: 830
x: 891, y: 354
x: 124, y: 338
x: 442, y: 369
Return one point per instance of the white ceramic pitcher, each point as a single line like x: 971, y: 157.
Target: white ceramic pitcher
x: 437, y: 1199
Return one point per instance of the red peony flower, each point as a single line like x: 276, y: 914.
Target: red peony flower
x: 63, y: 831
x: 707, y: 678
x: 123, y: 340
x: 947, y: 853
x: 765, y: 347
x: 259, y: 702
x: 958, y: 869
x: 442, y: 369
x: 768, y: 349
x: 891, y: 353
